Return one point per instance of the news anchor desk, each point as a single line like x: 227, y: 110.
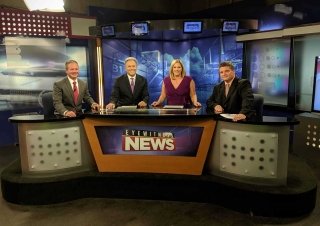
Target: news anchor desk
x: 168, y: 154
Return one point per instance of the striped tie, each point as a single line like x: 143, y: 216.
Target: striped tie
x: 132, y: 84
x: 227, y: 89
x: 75, y: 93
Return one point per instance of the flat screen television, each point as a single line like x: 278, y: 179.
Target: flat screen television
x: 108, y: 31
x: 231, y: 26
x: 190, y: 27
x: 316, y: 87
x: 139, y: 28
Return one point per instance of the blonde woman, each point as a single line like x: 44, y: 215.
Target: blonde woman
x: 178, y: 88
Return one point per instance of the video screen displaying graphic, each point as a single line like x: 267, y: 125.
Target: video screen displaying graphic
x: 139, y: 28
x: 34, y: 57
x: 108, y: 31
x: 269, y: 69
x: 29, y: 66
x: 316, y: 87
x: 149, y: 140
x: 230, y: 26
x: 192, y: 26
x: 201, y: 58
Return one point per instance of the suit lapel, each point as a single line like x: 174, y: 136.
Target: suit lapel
x: 136, y: 84
x: 126, y: 82
x: 80, y: 90
x: 232, y: 88
x: 69, y: 90
x: 222, y: 92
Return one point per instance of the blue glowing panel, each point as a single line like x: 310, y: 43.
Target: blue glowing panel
x: 148, y: 54
x: 270, y: 22
x: 316, y: 87
x: 232, y: 51
x: 201, y: 58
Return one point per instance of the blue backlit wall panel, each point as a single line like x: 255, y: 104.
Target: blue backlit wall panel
x: 201, y: 58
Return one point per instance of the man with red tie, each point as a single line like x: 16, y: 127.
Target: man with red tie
x: 70, y: 92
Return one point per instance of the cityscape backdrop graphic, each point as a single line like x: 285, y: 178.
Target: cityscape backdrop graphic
x: 201, y: 58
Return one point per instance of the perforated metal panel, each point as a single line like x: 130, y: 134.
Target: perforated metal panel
x: 53, y: 149
x: 249, y: 153
x: 312, y: 136
x: 307, y: 135
x: 22, y: 22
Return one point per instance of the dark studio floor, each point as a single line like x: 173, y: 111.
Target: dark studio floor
x: 106, y: 211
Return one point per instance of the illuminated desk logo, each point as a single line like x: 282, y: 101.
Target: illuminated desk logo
x: 149, y: 140
x: 144, y: 140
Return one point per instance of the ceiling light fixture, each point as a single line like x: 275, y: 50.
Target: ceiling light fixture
x: 282, y: 8
x: 45, y: 5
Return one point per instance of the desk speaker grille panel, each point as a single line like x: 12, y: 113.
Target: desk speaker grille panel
x: 251, y: 154
x: 53, y: 149
x: 312, y: 138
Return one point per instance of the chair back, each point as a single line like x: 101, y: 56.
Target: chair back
x: 258, y: 105
x: 47, y: 103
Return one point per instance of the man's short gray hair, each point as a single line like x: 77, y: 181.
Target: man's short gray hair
x: 131, y: 58
x: 70, y: 62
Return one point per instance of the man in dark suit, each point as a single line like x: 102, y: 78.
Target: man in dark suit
x: 232, y: 95
x: 69, y: 92
x: 130, y: 88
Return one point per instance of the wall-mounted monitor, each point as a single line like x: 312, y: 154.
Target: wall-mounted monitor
x: 316, y: 87
x: 139, y: 28
x: 190, y: 27
x: 231, y: 26
x: 108, y: 31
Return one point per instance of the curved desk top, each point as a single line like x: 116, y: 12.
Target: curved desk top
x: 40, y: 118
x: 154, y: 113
x: 186, y: 113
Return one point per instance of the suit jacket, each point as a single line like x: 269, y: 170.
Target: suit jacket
x: 63, y: 96
x: 122, y: 95
x: 239, y: 100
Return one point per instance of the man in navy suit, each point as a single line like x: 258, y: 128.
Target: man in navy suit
x: 69, y: 92
x: 130, y: 88
x: 232, y: 95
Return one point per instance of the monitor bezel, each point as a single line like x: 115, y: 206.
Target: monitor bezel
x: 192, y: 21
x: 139, y: 22
x: 230, y: 31
x: 109, y: 35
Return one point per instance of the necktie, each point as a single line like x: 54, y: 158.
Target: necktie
x: 227, y: 89
x: 75, y: 92
x: 132, y: 84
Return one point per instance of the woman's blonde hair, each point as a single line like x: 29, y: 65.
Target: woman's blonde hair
x: 183, y: 72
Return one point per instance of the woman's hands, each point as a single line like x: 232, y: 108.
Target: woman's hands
x: 197, y: 104
x: 156, y: 103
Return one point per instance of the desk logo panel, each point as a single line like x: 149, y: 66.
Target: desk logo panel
x: 149, y: 140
